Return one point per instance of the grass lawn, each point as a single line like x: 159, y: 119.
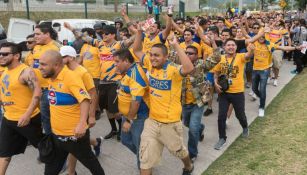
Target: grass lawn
x: 277, y: 143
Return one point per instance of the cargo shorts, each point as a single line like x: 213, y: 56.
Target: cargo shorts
x: 277, y: 58
x: 155, y: 136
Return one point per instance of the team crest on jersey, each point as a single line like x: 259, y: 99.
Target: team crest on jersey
x: 52, y: 97
x: 60, y: 85
x: 82, y: 92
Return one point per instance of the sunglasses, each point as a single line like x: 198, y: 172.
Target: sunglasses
x: 4, y: 54
x: 256, y: 28
x: 179, y: 23
x: 190, y: 53
x: 30, y: 42
x: 106, y: 33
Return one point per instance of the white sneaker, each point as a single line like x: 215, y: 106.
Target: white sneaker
x: 261, y: 112
x: 275, y: 82
x: 251, y: 93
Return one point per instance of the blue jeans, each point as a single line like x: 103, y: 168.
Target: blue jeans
x: 45, y: 111
x: 132, y: 138
x: 192, y: 115
x: 260, y: 78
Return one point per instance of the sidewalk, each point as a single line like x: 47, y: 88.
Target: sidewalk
x: 118, y: 160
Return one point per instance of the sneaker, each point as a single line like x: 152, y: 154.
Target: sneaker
x: 275, y: 82
x: 208, y: 112
x: 193, y: 158
x: 261, y: 112
x: 247, y: 85
x: 251, y: 93
x: 97, y: 147
x: 254, y: 97
x: 110, y: 135
x: 245, y: 133
x: 294, y: 72
x: 219, y: 144
x: 187, y: 172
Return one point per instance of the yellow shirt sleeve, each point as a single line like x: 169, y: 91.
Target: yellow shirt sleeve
x: 78, y: 90
x: 88, y: 81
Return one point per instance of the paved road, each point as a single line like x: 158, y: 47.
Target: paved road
x: 117, y: 160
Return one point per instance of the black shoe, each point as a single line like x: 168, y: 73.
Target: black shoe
x: 110, y: 135
x: 97, y: 147
x: 208, y: 112
x: 118, y: 136
x: 187, y: 172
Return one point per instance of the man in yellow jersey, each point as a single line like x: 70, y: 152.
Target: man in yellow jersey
x: 154, y: 35
x: 30, y: 45
x: 69, y: 55
x: 45, y: 38
x: 133, y: 100
x: 188, y: 41
x: 1, y: 112
x: 262, y: 61
x: 90, y: 60
x: 163, y: 127
x: 20, y: 97
x: 109, y: 79
x: 69, y: 109
x: 232, y: 66
x: 277, y: 36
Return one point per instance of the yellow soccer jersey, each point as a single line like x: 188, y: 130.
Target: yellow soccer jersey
x: 107, y: 64
x: 134, y: 86
x: 164, y: 91
x: 275, y: 36
x: 91, y: 60
x: 86, y: 77
x: 148, y: 42
x: 189, y: 97
x: 65, y: 95
x: 237, y: 77
x: 15, y: 96
x: 262, y: 56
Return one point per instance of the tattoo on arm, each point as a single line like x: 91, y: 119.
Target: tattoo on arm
x: 31, y: 80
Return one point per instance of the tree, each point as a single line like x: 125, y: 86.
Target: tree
x: 301, y: 4
x: 271, y: 2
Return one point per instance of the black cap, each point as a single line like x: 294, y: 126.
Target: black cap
x: 98, y: 26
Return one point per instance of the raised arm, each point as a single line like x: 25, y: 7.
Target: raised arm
x: 138, y: 45
x: 187, y: 66
x: 168, y: 28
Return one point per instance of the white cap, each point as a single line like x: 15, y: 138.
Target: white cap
x: 68, y: 51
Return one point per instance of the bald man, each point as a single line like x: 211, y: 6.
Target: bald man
x: 69, y: 107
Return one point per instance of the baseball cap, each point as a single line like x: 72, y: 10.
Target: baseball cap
x: 98, y: 26
x: 68, y: 51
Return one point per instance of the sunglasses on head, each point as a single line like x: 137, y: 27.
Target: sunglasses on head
x: 5, y: 53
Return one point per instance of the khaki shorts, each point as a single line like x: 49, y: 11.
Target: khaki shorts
x: 155, y: 136
x: 277, y: 58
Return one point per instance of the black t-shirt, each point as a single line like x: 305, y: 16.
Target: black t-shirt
x: 241, y: 47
